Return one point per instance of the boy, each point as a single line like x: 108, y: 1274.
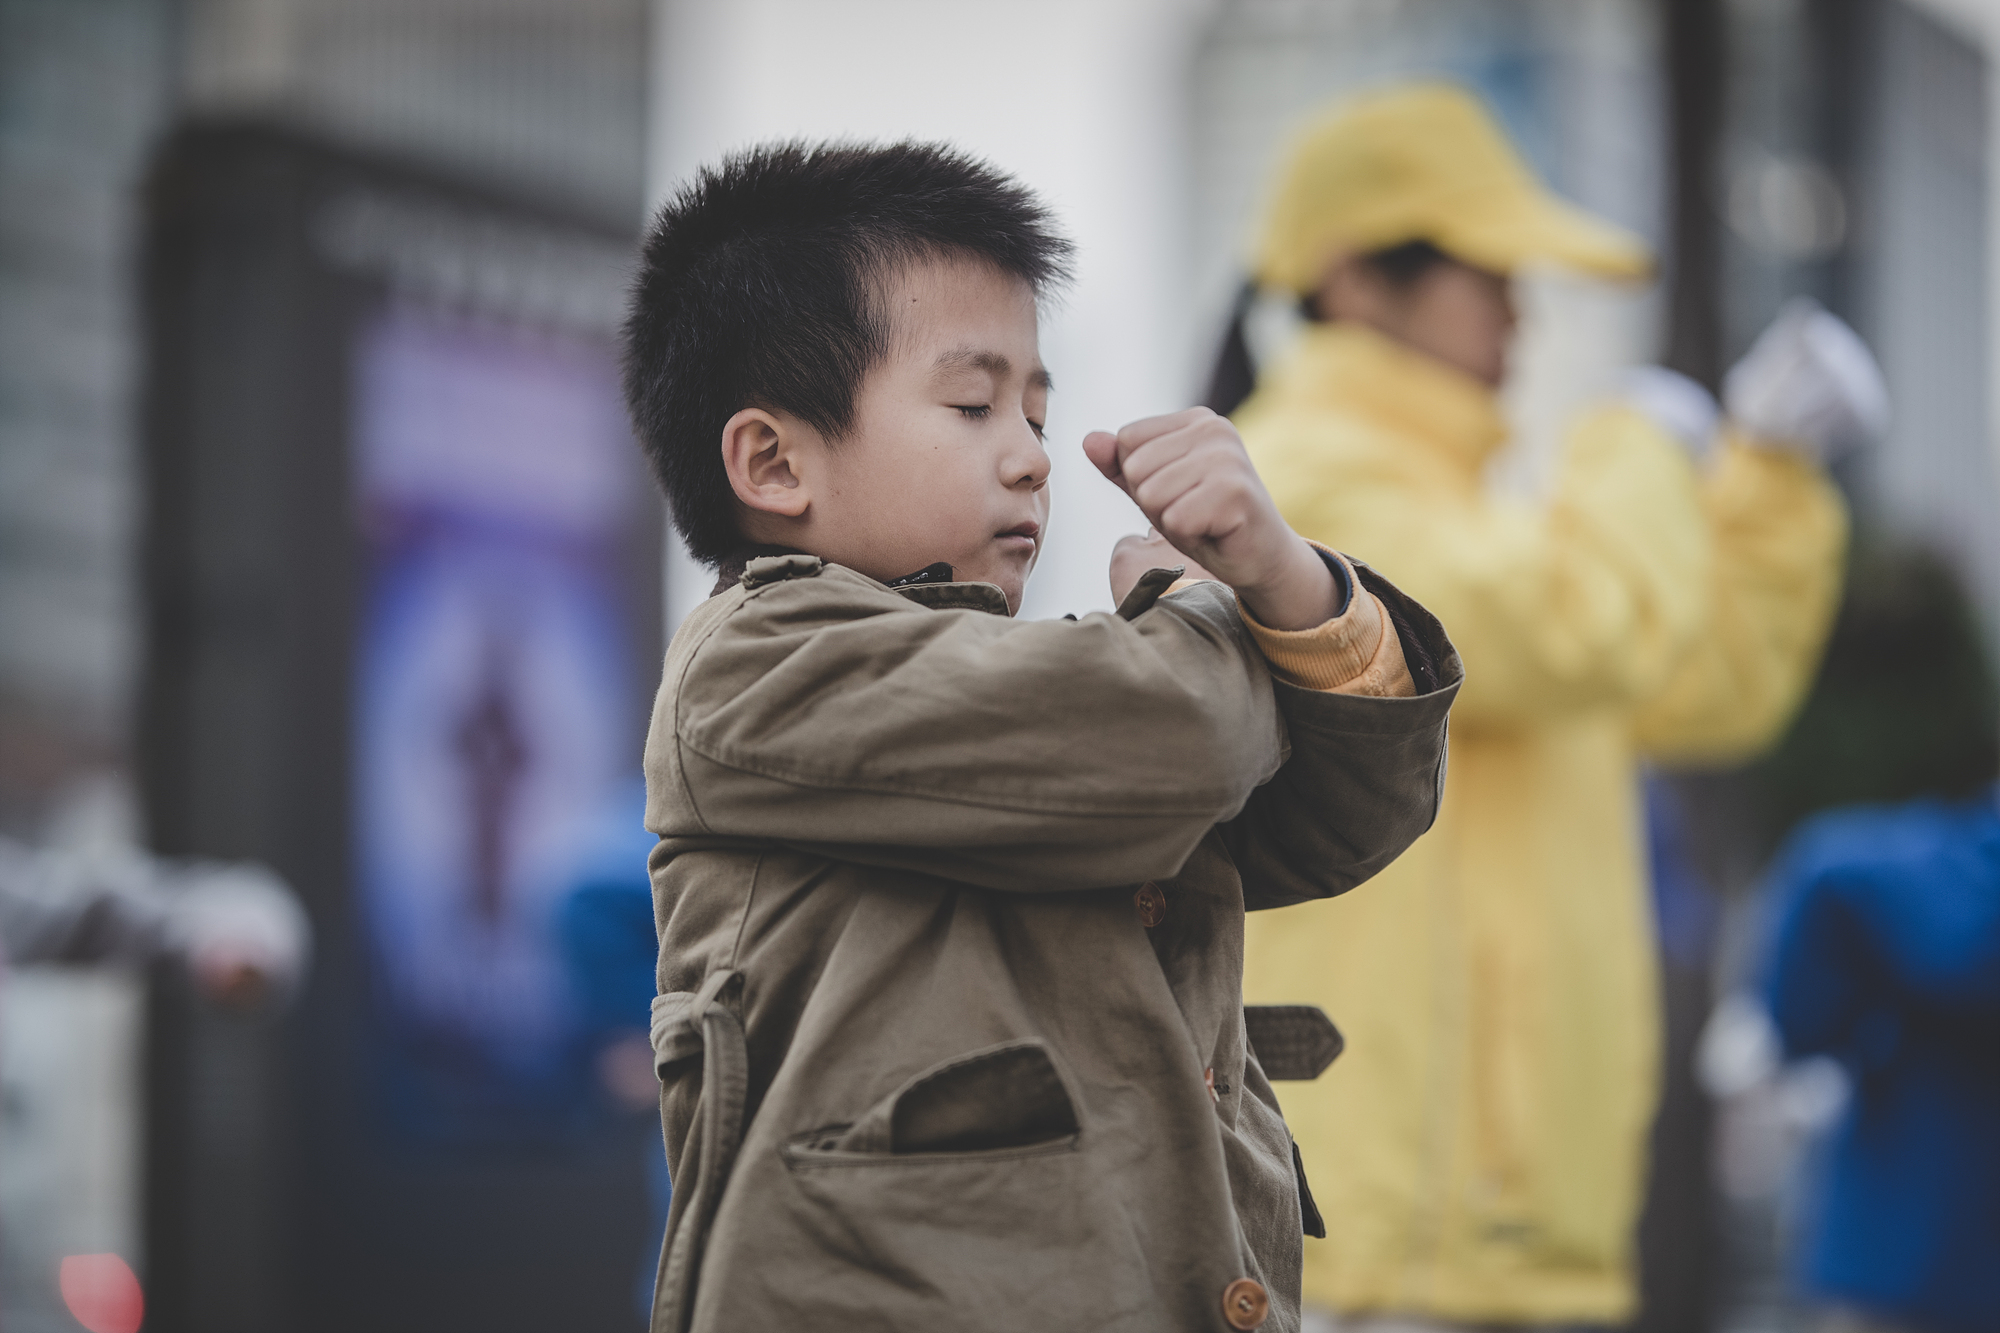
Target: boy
x: 950, y: 1031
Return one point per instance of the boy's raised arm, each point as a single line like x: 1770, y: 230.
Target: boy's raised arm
x: 829, y: 712
x: 1365, y: 772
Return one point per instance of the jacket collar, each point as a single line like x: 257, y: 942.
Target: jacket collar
x: 729, y: 572
x: 1357, y: 370
x: 930, y: 586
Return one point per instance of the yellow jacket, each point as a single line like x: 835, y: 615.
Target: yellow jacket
x: 1479, y: 1151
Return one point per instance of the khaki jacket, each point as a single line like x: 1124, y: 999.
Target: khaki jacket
x: 950, y: 1030
x: 1480, y: 1151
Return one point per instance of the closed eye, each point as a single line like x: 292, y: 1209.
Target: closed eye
x: 974, y: 411
x: 1035, y: 426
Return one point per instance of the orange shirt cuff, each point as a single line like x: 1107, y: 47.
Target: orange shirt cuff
x: 1357, y: 652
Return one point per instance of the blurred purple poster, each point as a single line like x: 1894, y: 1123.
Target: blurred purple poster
x: 498, y: 488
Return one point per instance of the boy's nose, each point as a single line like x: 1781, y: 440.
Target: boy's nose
x: 1031, y: 465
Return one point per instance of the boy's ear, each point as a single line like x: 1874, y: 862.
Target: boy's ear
x: 758, y: 452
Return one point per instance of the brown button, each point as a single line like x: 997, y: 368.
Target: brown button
x: 1244, y: 1303
x: 1152, y: 904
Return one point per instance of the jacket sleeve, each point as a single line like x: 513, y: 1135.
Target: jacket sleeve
x: 1778, y: 533
x: 1364, y: 776
x: 837, y: 717
x: 1587, y: 601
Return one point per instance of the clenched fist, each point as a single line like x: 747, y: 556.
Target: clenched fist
x: 1190, y: 475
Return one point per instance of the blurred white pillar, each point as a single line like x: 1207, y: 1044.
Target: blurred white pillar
x: 1929, y: 224
x: 1083, y: 100
x: 1978, y: 21
x: 70, y: 1136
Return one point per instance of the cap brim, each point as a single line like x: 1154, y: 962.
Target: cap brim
x: 1504, y: 233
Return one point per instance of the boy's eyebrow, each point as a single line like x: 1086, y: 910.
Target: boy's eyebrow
x: 993, y: 363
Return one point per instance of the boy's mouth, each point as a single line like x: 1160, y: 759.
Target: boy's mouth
x: 1022, y: 536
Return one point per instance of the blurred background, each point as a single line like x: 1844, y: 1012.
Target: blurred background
x: 323, y: 544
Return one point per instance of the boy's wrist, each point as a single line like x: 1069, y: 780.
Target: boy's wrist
x: 1302, y: 593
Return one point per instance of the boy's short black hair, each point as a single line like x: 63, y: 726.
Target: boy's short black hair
x: 760, y: 285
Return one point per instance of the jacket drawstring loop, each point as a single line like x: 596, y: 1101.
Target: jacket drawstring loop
x: 685, y: 1024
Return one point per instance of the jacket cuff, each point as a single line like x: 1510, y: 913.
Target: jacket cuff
x: 1356, y: 652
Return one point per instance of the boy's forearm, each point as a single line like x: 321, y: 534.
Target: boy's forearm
x: 1300, y: 593
x: 1365, y: 769
x: 1356, y: 650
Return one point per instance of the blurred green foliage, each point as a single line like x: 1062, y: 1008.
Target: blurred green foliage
x: 1904, y: 704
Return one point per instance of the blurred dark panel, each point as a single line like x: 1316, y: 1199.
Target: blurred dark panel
x: 1677, y: 1237
x: 1676, y: 1241
x: 1696, y: 60
x: 247, y: 582
x: 282, y: 1191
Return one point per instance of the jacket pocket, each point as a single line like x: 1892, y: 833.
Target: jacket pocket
x: 967, y: 1200
x: 1000, y: 1100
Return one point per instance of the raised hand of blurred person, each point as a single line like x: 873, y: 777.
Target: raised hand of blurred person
x: 1808, y: 383
x: 238, y: 929
x: 1190, y: 475
x: 243, y: 934
x: 1677, y: 404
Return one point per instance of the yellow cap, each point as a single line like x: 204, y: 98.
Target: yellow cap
x: 1425, y: 162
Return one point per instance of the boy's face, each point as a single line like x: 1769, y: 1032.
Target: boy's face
x: 945, y: 461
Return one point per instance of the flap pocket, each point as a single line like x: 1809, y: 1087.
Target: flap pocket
x: 1006, y: 1096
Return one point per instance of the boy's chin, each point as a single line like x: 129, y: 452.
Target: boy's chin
x: 1008, y: 576
x: 1012, y: 586
x: 1013, y: 589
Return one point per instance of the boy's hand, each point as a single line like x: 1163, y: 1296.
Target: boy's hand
x: 1190, y: 475
x: 1134, y: 555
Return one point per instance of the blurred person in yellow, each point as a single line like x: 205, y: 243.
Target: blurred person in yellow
x: 1479, y: 1154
